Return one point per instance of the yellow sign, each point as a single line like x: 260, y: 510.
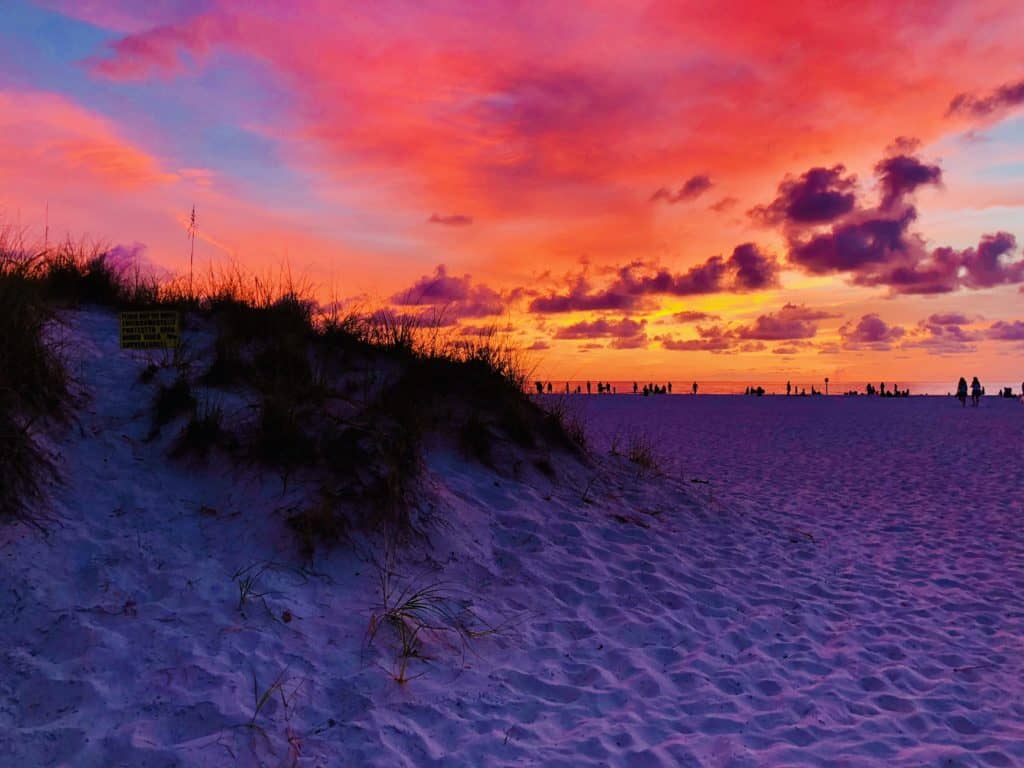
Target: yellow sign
x: 155, y: 329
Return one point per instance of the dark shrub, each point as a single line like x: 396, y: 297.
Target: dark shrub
x: 172, y: 401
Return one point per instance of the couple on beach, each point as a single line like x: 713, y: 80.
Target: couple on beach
x: 976, y: 391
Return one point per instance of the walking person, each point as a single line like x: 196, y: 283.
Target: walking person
x: 961, y: 391
x: 976, y: 391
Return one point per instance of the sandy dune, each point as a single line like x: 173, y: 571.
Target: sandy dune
x: 841, y: 588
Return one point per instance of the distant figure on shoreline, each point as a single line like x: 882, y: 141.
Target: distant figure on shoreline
x: 961, y: 391
x: 976, y: 391
x: 789, y: 389
x: 695, y: 387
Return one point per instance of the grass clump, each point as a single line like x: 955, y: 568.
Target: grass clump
x: 172, y: 401
x: 416, y: 612
x: 204, y: 431
x: 34, y: 387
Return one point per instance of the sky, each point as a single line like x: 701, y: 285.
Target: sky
x: 661, y: 190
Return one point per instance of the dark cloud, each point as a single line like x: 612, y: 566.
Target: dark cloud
x: 624, y: 333
x: 828, y: 232
x: 790, y: 322
x: 703, y: 344
x: 455, y: 296
x: 723, y: 205
x: 692, y: 188
x: 1006, y: 96
x: 754, y: 270
x: 688, y: 316
x: 1006, y: 331
x: 986, y: 266
x: 870, y: 332
x: 817, y: 196
x: 454, y: 220
x: 948, y: 318
x: 746, y: 269
x: 901, y: 174
x: 580, y: 297
x: 943, y: 334
x: 538, y: 346
x: 852, y: 245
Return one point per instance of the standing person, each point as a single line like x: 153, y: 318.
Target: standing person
x: 670, y: 387
x: 635, y: 388
x: 695, y: 387
x: 961, y: 391
x: 975, y: 391
x: 789, y: 388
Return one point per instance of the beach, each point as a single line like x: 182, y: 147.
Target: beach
x: 788, y: 581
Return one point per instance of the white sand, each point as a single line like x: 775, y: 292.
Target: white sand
x: 846, y: 591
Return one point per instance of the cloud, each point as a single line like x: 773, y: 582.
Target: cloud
x: 870, y: 332
x: 723, y: 205
x: 986, y: 265
x: 453, y: 220
x: 943, y: 333
x: 49, y: 139
x: 689, y: 316
x: 710, y: 343
x: 948, y: 318
x: 790, y: 322
x: 451, y: 295
x: 163, y: 51
x: 901, y: 174
x: 816, y: 196
x: 692, y: 188
x: 1006, y: 331
x: 1005, y: 97
x: 876, y: 246
x: 746, y: 269
x: 538, y: 346
x: 624, y: 333
x: 754, y: 270
x: 580, y: 297
x: 853, y: 245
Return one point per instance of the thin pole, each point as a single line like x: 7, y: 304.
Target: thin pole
x: 192, y: 250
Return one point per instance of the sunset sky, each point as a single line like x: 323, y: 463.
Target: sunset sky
x: 731, y: 190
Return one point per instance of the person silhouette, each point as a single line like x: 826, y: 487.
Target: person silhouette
x: 635, y: 388
x: 789, y: 388
x: 976, y: 391
x: 961, y: 391
x: 695, y: 387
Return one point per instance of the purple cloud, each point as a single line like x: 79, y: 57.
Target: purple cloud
x: 901, y: 174
x: 817, y: 196
x: 723, y: 205
x: 754, y: 271
x: 948, y: 318
x: 747, y: 269
x: 454, y: 296
x: 850, y: 246
x: 692, y: 188
x: 688, y: 316
x: 624, y: 333
x: 1006, y: 331
x: 790, y: 322
x: 870, y: 331
x: 1006, y: 96
x: 986, y: 265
